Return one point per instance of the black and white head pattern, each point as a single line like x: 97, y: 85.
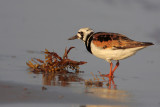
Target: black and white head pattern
x: 83, y: 33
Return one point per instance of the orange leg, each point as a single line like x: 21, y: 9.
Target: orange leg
x: 114, y: 85
x: 117, y: 64
x: 110, y: 75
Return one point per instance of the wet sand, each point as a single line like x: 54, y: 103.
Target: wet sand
x: 14, y: 94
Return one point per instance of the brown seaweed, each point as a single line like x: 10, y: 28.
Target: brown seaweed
x: 54, y: 63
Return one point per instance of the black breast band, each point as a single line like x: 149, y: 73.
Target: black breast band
x: 88, y: 42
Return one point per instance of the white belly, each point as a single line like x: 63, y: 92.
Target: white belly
x: 117, y: 54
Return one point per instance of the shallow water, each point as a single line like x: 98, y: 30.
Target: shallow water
x: 28, y: 27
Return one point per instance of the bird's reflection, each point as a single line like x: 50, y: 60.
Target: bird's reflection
x: 120, y: 98
x: 54, y: 79
x: 60, y: 80
x: 107, y: 91
x: 111, y: 84
x: 101, y: 81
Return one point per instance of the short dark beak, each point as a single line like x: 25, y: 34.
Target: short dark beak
x: 74, y: 37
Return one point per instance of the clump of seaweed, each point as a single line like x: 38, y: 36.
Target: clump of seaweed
x: 54, y: 63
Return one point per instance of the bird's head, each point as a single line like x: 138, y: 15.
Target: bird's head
x: 82, y: 34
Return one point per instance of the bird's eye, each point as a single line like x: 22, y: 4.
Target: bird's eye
x: 81, y: 33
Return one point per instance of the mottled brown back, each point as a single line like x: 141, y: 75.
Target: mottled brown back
x: 116, y: 41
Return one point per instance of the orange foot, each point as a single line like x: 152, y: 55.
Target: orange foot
x: 107, y: 75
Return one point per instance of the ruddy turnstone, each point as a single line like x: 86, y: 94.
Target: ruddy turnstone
x: 109, y: 46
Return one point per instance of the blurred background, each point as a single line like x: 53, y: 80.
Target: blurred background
x: 39, y: 24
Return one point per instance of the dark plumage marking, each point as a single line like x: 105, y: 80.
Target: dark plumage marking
x: 124, y: 38
x: 132, y: 44
x: 102, y: 36
x: 105, y: 40
x: 82, y: 35
x: 88, y: 40
x: 105, y: 46
x: 116, y: 41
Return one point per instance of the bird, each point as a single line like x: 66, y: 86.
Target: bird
x: 109, y: 46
